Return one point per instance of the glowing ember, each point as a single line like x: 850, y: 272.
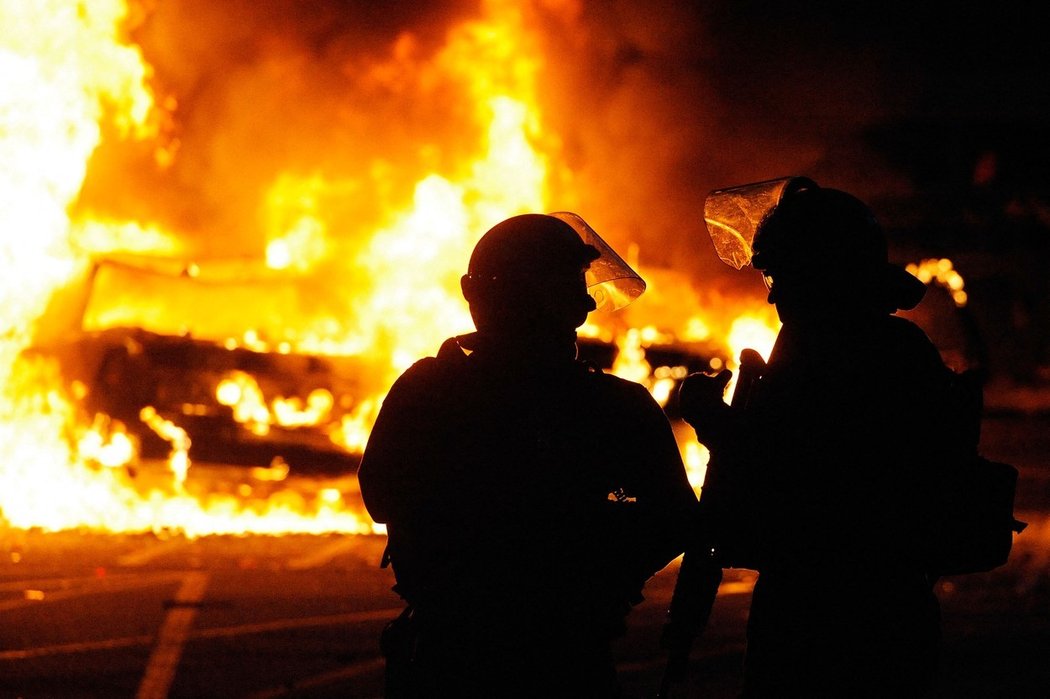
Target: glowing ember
x: 942, y: 271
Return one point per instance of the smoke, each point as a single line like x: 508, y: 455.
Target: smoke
x: 263, y: 88
x: 653, y: 104
x: 659, y: 103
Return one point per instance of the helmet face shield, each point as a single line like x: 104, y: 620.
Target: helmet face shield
x: 610, y: 280
x: 733, y: 215
x: 807, y: 231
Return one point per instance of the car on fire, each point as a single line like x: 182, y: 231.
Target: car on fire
x: 236, y: 401
x: 163, y: 352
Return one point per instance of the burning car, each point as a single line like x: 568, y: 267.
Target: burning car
x: 173, y: 357
x: 224, y: 398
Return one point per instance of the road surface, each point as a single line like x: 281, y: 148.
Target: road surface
x: 96, y: 615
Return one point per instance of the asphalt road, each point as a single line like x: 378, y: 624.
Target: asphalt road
x: 93, y: 615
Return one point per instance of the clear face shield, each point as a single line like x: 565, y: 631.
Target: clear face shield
x: 733, y: 215
x: 610, y: 280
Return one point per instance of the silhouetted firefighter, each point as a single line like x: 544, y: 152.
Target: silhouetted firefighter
x: 527, y: 495
x: 850, y: 477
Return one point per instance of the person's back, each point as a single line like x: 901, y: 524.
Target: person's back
x: 527, y: 499
x: 830, y: 466
x: 847, y: 414
x: 842, y: 605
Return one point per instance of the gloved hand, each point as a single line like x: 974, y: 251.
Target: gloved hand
x: 702, y: 404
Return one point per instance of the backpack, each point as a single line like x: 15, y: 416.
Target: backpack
x: 969, y: 524
x: 972, y: 515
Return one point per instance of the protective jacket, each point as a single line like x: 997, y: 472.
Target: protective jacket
x: 831, y: 471
x: 525, y: 509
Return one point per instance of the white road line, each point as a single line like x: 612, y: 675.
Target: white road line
x: 67, y: 648
x: 324, y: 554
x: 372, y: 615
x: 70, y: 583
x: 160, y: 670
x: 73, y: 588
x: 286, y: 624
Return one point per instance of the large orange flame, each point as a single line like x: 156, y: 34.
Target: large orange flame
x: 72, y: 79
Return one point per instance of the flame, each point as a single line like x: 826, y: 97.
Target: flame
x: 67, y: 71
x: 696, y: 458
x: 353, y: 430
x: 630, y: 360
x: 179, y: 459
x: 297, y: 234
x: 241, y: 392
x: 72, y: 79
x: 942, y: 271
x: 70, y: 75
x: 107, y: 443
x: 754, y: 331
x: 62, y: 68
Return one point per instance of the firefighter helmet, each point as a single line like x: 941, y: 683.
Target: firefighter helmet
x: 525, y: 253
x: 828, y: 234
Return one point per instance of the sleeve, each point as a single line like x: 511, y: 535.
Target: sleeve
x: 668, y: 505
x: 391, y: 483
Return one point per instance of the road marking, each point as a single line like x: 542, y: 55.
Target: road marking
x: 324, y: 554
x: 160, y: 670
x: 67, y: 648
x: 87, y: 586
x: 285, y: 624
x: 370, y: 615
x: 70, y: 583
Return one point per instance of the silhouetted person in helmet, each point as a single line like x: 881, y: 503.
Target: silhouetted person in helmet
x: 830, y: 467
x: 527, y: 495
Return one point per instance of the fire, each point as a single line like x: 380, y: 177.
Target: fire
x: 67, y: 72
x: 62, y: 68
x: 717, y: 337
x: 941, y: 270
x: 755, y: 330
x: 106, y: 444
x: 179, y: 459
x: 73, y: 81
